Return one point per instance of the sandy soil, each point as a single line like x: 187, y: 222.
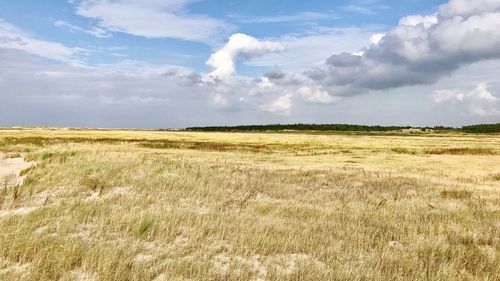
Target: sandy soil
x: 9, y: 171
x: 13, y: 166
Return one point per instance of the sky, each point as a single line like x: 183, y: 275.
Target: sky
x: 180, y: 63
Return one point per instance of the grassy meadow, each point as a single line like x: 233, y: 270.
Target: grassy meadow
x: 146, y: 205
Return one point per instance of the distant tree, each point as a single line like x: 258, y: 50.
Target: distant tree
x: 301, y: 127
x: 482, y: 128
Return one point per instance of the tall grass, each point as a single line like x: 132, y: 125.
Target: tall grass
x: 353, y: 210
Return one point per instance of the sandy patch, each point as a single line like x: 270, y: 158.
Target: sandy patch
x: 161, y: 277
x: 16, y: 268
x: 141, y: 258
x: 106, y: 194
x: 13, y: 166
x: 81, y: 275
x: 259, y: 266
x: 18, y: 211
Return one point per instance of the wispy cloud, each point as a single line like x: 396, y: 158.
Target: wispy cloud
x: 12, y: 37
x: 297, y: 17
x: 153, y: 19
x: 94, y: 31
x: 366, y: 7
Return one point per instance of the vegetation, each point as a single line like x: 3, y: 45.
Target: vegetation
x: 300, y: 127
x: 485, y: 128
x: 145, y: 205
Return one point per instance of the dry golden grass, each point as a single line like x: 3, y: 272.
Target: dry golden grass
x: 143, y: 205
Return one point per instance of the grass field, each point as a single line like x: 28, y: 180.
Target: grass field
x: 144, y: 205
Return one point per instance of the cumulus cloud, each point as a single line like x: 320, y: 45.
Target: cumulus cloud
x: 305, y: 49
x: 152, y: 19
x: 415, y: 20
x: 420, y: 50
x: 239, y: 45
x: 316, y: 95
x: 275, y: 74
x: 376, y: 38
x: 479, y: 101
x: 466, y: 8
x: 282, y: 105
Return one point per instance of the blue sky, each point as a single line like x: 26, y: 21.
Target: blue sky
x: 261, y: 19
x: 176, y: 63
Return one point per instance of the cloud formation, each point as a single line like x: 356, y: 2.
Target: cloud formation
x: 479, y: 101
x: 152, y: 19
x: 297, y: 17
x: 420, y: 50
x: 15, y: 39
x: 94, y: 31
x: 239, y: 45
x: 316, y: 95
x: 103, y: 96
x: 282, y: 105
x: 311, y: 47
x: 365, y: 7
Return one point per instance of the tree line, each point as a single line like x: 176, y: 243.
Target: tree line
x: 481, y: 128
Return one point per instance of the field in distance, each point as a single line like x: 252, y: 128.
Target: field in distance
x: 146, y: 205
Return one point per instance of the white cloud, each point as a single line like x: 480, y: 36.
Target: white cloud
x: 281, y: 105
x: 263, y: 86
x: 153, y: 19
x: 366, y: 7
x: 480, y: 93
x: 307, y: 49
x: 239, y: 45
x: 479, y: 101
x: 485, y: 112
x: 420, y: 50
x: 13, y: 38
x: 441, y: 96
x: 415, y: 20
x: 65, y: 95
x: 466, y: 8
x: 219, y: 99
x: 376, y: 38
x: 316, y: 95
x: 134, y: 94
x: 297, y: 17
x: 94, y: 31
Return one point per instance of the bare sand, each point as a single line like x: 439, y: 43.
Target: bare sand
x: 13, y: 166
